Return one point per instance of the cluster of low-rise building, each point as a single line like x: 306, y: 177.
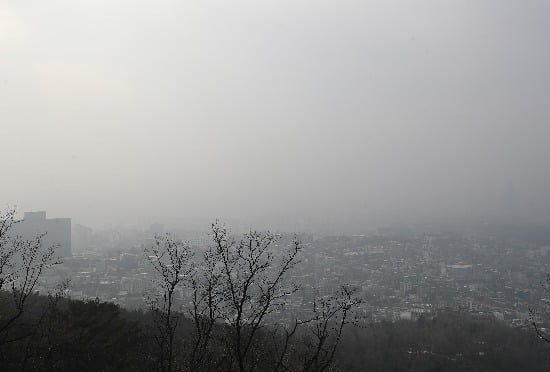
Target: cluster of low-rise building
x: 403, y: 277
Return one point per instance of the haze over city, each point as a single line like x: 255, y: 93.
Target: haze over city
x: 289, y: 185
x: 294, y: 115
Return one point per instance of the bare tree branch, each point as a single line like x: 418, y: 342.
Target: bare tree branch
x: 170, y: 258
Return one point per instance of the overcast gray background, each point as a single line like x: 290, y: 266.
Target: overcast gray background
x: 300, y: 115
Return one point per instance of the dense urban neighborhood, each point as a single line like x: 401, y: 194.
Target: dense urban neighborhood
x: 399, y: 276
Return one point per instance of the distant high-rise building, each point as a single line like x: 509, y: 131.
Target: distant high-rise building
x: 57, y: 230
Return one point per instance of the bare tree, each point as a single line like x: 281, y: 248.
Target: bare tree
x: 317, y: 335
x: 171, y: 259
x: 236, y: 288
x: 251, y: 281
x: 22, y: 262
x: 330, y: 315
x: 204, y: 311
x: 282, y: 338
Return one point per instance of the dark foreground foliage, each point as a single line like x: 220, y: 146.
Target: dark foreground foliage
x: 63, y: 335
x: 451, y: 341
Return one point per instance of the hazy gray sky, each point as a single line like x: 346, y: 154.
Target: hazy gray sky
x: 295, y: 114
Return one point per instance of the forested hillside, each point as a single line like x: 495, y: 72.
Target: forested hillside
x: 66, y: 335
